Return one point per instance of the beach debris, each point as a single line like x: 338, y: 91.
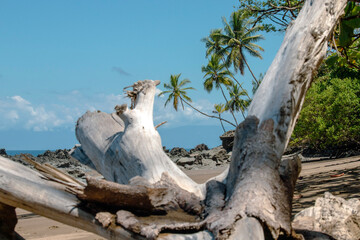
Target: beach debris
x: 332, y: 215
x: 105, y: 218
x: 160, y: 124
x: 337, y: 175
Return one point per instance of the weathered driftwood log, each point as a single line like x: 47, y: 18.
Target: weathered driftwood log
x: 255, y: 186
x: 140, y: 196
x: 127, y: 144
x: 25, y: 188
x: 251, y: 200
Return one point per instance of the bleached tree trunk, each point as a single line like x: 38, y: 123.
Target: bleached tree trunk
x: 250, y: 201
x: 256, y: 185
x: 126, y: 144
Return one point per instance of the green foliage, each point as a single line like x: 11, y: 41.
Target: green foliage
x: 331, y: 114
x: 236, y: 103
x: 176, y: 91
x: 215, y: 73
x: 346, y: 39
x: 239, y: 35
x: 276, y: 15
x: 219, y: 109
x: 227, y: 46
x: 273, y: 15
x: 349, y: 24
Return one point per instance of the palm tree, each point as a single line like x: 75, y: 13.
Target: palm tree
x: 236, y: 103
x: 176, y: 94
x: 219, y: 109
x: 239, y: 36
x: 255, y: 85
x: 213, y: 43
x: 216, y: 74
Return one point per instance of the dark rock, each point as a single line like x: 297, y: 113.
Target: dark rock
x: 198, y: 159
x: 63, y: 165
x: 185, y: 161
x: 205, y: 155
x: 221, y: 156
x: 3, y: 152
x: 199, y: 148
x: 180, y: 152
x: 228, y: 140
x: 60, y: 153
x: 165, y: 150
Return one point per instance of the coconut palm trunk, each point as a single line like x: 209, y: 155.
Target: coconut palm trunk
x: 222, y: 125
x: 232, y: 112
x: 247, y: 65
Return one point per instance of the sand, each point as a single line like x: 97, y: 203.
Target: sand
x: 338, y: 176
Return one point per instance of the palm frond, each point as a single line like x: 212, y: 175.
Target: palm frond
x: 187, y: 98
x: 184, y: 82
x: 163, y: 92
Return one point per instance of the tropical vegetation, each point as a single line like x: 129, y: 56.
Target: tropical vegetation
x: 330, y: 117
x: 178, y: 94
x: 176, y: 91
x: 331, y: 112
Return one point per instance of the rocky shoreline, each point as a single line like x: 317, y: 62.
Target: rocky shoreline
x: 60, y: 159
x: 74, y: 161
x: 317, y: 177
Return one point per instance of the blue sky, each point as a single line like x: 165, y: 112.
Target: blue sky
x: 59, y: 59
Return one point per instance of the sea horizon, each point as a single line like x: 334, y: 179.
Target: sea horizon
x: 32, y: 152
x: 38, y: 152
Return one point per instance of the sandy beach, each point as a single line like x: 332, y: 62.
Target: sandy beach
x: 337, y: 176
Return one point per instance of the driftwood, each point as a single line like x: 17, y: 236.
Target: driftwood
x: 25, y: 188
x: 251, y: 200
x: 8, y: 222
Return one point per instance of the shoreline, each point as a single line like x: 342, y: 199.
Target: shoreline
x: 319, y: 175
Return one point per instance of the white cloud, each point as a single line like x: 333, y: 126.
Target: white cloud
x: 12, y: 115
x: 63, y: 110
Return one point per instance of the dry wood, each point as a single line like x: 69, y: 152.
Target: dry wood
x: 251, y: 200
x: 160, y: 124
x: 255, y: 185
x: 52, y: 172
x: 25, y: 188
x: 127, y: 144
x: 159, y: 198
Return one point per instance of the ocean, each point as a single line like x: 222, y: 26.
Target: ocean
x: 32, y: 152
x: 37, y: 152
